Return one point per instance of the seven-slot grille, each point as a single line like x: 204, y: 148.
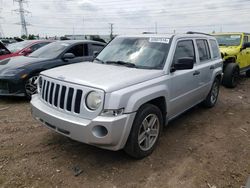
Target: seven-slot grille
x: 61, y: 96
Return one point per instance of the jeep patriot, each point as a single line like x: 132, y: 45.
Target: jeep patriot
x: 134, y: 87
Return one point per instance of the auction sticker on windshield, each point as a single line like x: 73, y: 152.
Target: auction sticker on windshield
x: 160, y: 40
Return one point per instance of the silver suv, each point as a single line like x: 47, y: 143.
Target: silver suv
x: 134, y: 87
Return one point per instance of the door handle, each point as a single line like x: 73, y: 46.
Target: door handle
x: 196, y: 73
x: 212, y: 67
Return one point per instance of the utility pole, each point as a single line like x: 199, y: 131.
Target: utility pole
x: 21, y: 11
x: 1, y: 18
x: 156, y: 28
x: 111, y: 31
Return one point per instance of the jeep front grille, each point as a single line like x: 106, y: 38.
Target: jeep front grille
x: 62, y: 96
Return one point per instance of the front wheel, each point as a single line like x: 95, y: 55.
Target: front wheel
x: 145, y: 132
x: 212, y: 97
x: 231, y: 75
x: 31, y: 86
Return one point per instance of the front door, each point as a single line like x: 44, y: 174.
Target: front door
x: 183, y: 84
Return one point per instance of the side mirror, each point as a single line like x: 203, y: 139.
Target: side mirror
x: 26, y: 51
x: 68, y: 56
x: 245, y: 45
x: 96, y: 53
x: 183, y: 64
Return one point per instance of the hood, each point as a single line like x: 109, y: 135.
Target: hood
x: 106, y: 77
x: 17, y: 62
x: 230, y: 50
x: 4, y: 48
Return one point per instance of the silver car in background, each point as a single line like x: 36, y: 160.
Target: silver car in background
x: 134, y: 87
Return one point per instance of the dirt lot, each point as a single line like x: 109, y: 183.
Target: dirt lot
x: 202, y: 148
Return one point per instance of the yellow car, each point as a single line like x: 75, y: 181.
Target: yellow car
x: 235, y: 51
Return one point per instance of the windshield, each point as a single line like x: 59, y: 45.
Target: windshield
x: 228, y: 40
x: 51, y: 50
x: 15, y: 47
x: 141, y: 52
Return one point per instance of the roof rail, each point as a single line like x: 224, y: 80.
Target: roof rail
x: 194, y: 32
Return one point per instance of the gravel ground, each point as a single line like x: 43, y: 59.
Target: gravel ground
x: 202, y: 148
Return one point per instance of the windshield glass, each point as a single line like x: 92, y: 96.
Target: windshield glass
x: 228, y: 40
x: 50, y: 51
x: 142, y: 52
x: 15, y: 47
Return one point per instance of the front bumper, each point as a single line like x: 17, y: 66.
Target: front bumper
x: 11, y: 87
x: 83, y: 130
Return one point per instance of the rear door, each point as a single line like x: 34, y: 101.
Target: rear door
x: 205, y: 66
x: 183, y: 83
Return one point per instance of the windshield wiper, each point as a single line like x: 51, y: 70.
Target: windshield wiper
x: 99, y: 60
x: 128, y: 64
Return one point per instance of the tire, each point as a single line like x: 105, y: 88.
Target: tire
x: 30, y: 86
x: 147, y: 127
x: 231, y: 75
x: 248, y: 73
x: 212, y: 97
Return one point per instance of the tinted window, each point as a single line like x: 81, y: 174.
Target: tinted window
x: 79, y: 50
x: 97, y: 47
x: 215, y: 49
x: 203, y: 49
x: 76, y: 50
x: 184, y: 49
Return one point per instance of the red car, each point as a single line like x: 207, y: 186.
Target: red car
x: 23, y: 48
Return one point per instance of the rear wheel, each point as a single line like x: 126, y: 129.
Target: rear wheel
x: 31, y: 86
x: 212, y: 97
x: 145, y: 132
x: 231, y: 75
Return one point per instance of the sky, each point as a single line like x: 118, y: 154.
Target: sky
x: 60, y: 17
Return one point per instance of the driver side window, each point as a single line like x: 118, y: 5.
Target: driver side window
x: 184, y: 49
x: 78, y: 50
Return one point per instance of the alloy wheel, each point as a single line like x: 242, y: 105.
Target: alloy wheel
x: 148, y: 132
x: 31, y: 86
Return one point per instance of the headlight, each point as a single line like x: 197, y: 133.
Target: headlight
x: 93, y: 100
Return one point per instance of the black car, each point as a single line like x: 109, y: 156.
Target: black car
x: 18, y: 75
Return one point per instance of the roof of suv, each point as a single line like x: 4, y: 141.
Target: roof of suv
x: 169, y: 35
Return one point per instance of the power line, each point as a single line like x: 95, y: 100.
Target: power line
x: 21, y: 11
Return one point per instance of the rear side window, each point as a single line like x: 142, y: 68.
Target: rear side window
x: 184, y: 49
x: 215, y: 49
x: 203, y: 49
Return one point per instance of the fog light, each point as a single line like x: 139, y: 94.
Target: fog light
x: 110, y: 113
x: 99, y: 131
